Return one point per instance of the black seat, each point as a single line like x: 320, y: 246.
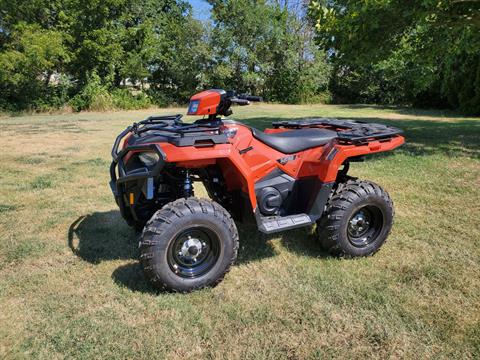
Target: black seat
x: 293, y: 141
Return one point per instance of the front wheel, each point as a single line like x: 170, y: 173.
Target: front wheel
x: 357, y: 220
x: 188, y: 244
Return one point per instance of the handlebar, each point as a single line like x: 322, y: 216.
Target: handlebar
x: 226, y: 100
x: 250, y: 97
x: 240, y: 101
x: 244, y: 99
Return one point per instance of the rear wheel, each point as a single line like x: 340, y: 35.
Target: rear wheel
x: 188, y: 244
x: 357, y: 221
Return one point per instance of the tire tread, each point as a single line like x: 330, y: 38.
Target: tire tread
x: 345, y: 194
x: 168, y: 215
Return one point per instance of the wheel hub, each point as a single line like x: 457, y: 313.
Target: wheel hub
x: 191, y: 248
x: 358, y: 224
x: 364, y: 226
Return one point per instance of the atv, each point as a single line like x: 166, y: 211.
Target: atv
x: 292, y: 175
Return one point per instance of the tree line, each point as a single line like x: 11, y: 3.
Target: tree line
x: 91, y: 54
x: 105, y: 54
x: 419, y: 52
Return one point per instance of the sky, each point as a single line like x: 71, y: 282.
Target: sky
x: 201, y: 9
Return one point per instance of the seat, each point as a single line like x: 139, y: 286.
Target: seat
x: 293, y: 141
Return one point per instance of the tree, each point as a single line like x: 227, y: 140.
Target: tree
x: 179, y: 59
x: 93, y: 48
x: 265, y: 48
x: 416, y: 51
x: 28, y: 62
x: 109, y: 41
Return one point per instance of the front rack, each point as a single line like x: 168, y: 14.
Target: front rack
x: 348, y: 131
x: 173, y: 130
x: 173, y: 124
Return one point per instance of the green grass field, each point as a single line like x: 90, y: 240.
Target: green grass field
x: 71, y: 286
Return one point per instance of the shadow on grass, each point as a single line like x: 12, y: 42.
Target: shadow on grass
x: 131, y: 277
x: 303, y: 242
x: 102, y: 236
x: 423, y: 137
x: 254, y: 246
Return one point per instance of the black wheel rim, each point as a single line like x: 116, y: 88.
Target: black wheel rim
x: 194, y: 252
x: 364, y: 226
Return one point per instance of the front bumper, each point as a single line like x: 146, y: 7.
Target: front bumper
x: 120, y: 177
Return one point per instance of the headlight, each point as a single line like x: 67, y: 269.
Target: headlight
x: 149, y: 158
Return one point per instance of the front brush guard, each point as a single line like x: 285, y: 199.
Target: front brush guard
x: 143, y: 173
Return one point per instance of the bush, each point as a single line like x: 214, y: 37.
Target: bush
x: 324, y: 97
x: 94, y: 96
x: 125, y: 100
x: 54, y: 97
x: 159, y: 98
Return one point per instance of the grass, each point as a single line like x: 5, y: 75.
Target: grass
x: 71, y: 287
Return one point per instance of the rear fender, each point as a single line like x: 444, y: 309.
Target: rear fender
x: 334, y: 155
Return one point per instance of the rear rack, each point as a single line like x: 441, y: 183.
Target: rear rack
x: 349, y: 131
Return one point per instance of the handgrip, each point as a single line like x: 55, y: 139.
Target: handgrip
x: 240, y: 102
x: 254, y: 98
x: 250, y: 97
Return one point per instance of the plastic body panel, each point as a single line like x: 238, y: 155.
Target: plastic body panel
x: 205, y: 102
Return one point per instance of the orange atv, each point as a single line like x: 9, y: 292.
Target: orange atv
x: 289, y: 176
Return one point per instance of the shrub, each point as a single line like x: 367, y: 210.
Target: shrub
x: 93, y: 96
x: 159, y: 98
x: 125, y: 100
x: 324, y: 97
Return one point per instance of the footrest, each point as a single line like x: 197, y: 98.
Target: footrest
x: 280, y: 223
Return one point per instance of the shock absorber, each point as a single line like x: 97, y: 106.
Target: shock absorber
x: 187, y: 185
